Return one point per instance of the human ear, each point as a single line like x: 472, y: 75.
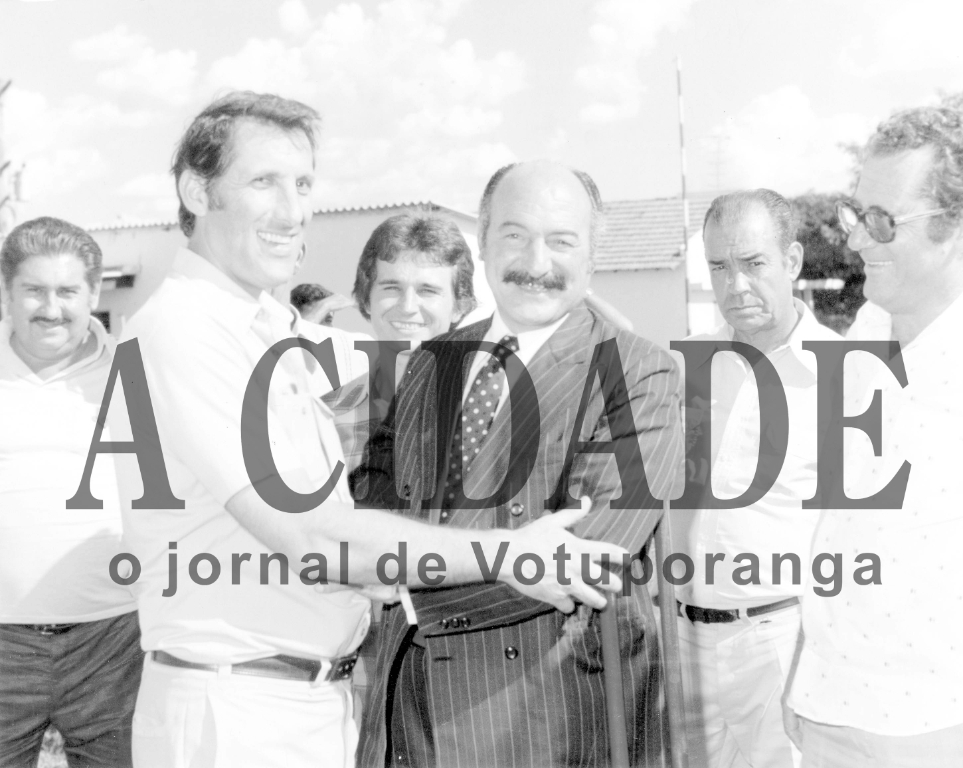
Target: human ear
x: 194, y: 193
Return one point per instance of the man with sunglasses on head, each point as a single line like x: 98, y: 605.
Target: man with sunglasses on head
x: 879, y: 680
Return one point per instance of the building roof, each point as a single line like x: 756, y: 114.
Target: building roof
x: 647, y: 234
x: 132, y: 224
x: 425, y: 205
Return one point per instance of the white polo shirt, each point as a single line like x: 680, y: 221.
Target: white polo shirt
x: 888, y: 658
x: 200, y: 342
x: 53, y: 560
x: 776, y: 523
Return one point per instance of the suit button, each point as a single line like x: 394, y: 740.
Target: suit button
x: 406, y: 491
x: 444, y: 623
x: 517, y: 509
x: 466, y: 622
x: 511, y: 653
x: 455, y: 623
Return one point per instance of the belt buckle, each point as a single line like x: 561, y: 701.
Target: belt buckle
x: 47, y: 630
x: 341, y: 669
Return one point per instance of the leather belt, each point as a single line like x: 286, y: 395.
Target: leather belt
x: 281, y: 667
x: 49, y: 629
x: 726, y: 615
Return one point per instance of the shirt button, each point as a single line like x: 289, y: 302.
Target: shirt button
x: 406, y: 491
x: 511, y: 653
x: 517, y: 509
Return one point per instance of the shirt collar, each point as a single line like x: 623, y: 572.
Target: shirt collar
x: 875, y: 323
x: 230, y: 299
x: 105, y: 345
x: 807, y: 327
x: 529, y: 342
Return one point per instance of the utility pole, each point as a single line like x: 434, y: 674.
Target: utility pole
x: 685, y: 199
x: 8, y: 214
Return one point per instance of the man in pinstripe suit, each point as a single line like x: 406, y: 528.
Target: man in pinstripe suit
x: 488, y: 677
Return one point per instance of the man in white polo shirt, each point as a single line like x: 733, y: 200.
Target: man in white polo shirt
x: 245, y: 669
x: 879, y: 682
x: 738, y: 625
x: 69, y: 642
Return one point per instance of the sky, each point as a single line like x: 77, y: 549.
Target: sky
x: 425, y: 99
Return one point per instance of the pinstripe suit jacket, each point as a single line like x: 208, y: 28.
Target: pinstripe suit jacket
x: 513, y: 682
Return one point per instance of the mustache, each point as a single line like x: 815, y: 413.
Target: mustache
x: 550, y: 281
x: 42, y: 319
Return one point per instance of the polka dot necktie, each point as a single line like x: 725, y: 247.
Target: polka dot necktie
x: 477, y: 415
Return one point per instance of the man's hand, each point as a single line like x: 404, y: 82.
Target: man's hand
x: 322, y: 312
x: 790, y: 722
x: 542, y: 538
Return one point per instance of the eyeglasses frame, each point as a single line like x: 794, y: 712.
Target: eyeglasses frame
x: 896, y: 220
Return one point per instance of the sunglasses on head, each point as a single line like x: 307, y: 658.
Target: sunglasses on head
x: 880, y: 225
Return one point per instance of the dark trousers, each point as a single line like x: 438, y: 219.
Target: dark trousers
x: 410, y: 737
x: 83, y: 682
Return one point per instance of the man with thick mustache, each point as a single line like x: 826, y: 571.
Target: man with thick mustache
x: 69, y: 641
x: 484, y: 678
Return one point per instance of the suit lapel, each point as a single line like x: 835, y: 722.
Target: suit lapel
x: 558, y: 372
x: 434, y: 411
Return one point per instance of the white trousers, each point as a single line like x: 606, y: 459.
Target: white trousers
x: 733, y: 676
x: 837, y: 746
x: 188, y: 718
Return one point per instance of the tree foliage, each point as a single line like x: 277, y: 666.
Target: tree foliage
x: 828, y: 256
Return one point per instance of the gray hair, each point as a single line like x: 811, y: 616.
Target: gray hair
x: 941, y: 129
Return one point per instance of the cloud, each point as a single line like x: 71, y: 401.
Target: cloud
x: 150, y: 195
x: 62, y: 170
x: 461, y: 121
x: 894, y: 39
x: 294, y: 17
x: 356, y: 172
x: 779, y: 141
x: 408, y: 111
x: 149, y: 185
x: 117, y: 44
x: 623, y: 32
x: 264, y: 66
x: 137, y: 69
x: 57, y: 141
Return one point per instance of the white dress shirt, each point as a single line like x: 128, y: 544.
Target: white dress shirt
x: 887, y: 658
x: 529, y: 342
x: 776, y: 523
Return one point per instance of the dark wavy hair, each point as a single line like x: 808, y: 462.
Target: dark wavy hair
x: 205, y: 148
x: 438, y: 239
x: 47, y: 236
x: 733, y: 206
